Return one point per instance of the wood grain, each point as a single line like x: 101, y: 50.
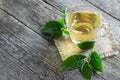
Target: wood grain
x: 32, y: 13
x: 37, y: 58
x: 10, y: 69
x: 20, y: 24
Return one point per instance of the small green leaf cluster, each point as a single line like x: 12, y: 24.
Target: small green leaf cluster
x: 84, y: 64
x: 56, y: 28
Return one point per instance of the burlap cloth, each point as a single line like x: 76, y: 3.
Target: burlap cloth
x: 105, y: 45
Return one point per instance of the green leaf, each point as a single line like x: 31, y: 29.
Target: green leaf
x: 86, y: 45
x: 86, y: 70
x: 73, y: 62
x: 51, y: 27
x: 61, y: 21
x: 66, y: 32
x: 96, y: 61
x: 56, y: 34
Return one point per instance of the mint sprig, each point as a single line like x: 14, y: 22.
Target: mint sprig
x: 82, y: 62
x: 85, y: 64
x: 56, y: 28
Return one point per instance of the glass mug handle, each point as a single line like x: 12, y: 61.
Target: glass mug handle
x: 105, y: 28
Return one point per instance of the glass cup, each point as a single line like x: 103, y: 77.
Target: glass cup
x: 83, y: 23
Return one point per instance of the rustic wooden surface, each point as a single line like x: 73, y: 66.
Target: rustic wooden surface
x: 25, y: 53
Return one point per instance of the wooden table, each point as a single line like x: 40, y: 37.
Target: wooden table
x: 25, y: 53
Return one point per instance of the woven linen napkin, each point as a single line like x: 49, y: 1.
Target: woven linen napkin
x: 105, y: 45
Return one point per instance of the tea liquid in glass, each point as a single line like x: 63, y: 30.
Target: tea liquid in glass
x: 83, y: 26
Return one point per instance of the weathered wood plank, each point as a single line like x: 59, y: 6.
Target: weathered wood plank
x: 27, y: 36
x: 111, y: 7
x: 32, y: 13
x: 12, y: 70
x: 36, y: 54
x: 62, y: 4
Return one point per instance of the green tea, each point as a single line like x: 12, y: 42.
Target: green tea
x: 83, y: 25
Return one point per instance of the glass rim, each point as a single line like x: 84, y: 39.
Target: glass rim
x: 96, y: 13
